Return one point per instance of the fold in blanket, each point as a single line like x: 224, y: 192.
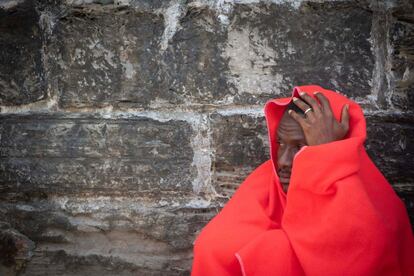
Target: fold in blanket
x: 339, y: 217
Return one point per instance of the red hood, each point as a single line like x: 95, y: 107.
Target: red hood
x: 275, y: 108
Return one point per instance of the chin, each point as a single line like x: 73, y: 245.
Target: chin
x: 285, y: 186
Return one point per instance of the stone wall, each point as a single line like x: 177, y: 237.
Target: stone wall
x: 127, y: 124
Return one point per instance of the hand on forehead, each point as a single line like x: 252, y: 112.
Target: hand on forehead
x: 319, y: 124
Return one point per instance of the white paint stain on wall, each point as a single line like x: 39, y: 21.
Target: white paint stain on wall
x: 8, y: 4
x: 251, y: 60
x: 128, y: 69
x: 172, y: 16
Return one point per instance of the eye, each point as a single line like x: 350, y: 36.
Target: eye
x: 300, y: 146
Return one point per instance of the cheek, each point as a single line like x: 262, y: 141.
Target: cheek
x: 287, y: 152
x: 280, y: 151
x: 283, y: 153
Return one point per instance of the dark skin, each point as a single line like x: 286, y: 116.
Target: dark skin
x: 319, y: 126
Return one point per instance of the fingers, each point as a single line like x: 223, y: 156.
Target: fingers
x: 311, y: 101
x: 306, y: 102
x: 326, y: 106
x: 345, y: 117
x: 296, y: 117
x: 301, y: 104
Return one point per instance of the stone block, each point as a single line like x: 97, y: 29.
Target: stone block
x: 127, y: 58
x: 21, y: 72
x: 390, y: 147
x: 193, y: 69
x: 61, y: 154
x: 140, y: 5
x: 15, y: 250
x: 401, y: 35
x: 240, y: 144
x: 111, y: 56
x: 78, y: 235
x: 273, y: 47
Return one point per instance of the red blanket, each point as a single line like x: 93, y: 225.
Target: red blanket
x: 339, y: 217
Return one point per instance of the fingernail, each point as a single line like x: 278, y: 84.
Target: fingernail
x: 317, y: 92
x: 295, y: 99
x: 301, y: 93
x: 290, y: 111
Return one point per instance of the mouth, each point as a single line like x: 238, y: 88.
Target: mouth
x: 284, y: 177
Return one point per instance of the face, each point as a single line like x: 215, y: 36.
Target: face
x: 290, y: 139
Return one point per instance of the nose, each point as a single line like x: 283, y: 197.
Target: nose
x: 285, y: 160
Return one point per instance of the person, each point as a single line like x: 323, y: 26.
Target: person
x: 318, y: 206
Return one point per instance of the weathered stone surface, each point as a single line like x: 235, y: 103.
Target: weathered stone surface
x: 240, y: 144
x: 110, y: 234
x: 390, y: 147
x: 21, y: 72
x: 124, y: 57
x: 193, y: 70
x: 58, y: 154
x: 401, y: 36
x: 266, y: 49
x: 15, y: 250
x: 272, y: 47
x: 60, y: 263
x: 112, y: 57
x: 141, y: 5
